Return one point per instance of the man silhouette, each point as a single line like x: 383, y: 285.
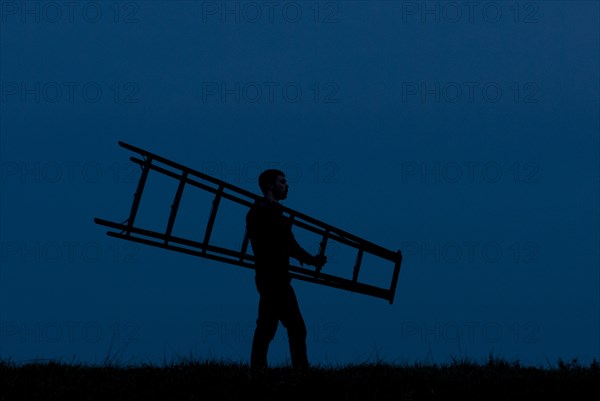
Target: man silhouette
x: 273, y: 244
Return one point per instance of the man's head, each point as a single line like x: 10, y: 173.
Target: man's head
x: 273, y: 184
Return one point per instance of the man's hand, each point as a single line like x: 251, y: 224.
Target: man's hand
x: 318, y: 261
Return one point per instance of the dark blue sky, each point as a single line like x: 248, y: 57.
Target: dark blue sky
x: 463, y: 133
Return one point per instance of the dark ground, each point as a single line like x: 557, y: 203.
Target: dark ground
x: 193, y: 380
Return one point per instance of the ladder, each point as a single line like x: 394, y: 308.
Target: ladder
x: 201, y: 247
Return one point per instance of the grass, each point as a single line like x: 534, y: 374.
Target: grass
x: 190, y: 379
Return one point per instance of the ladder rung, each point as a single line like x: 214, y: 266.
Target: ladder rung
x: 211, y: 218
x: 244, y: 245
x: 137, y: 196
x: 322, y: 247
x: 175, y: 206
x: 357, y: 265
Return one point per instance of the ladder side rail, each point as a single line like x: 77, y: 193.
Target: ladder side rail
x: 173, y: 239
x: 175, y: 175
x: 191, y: 171
x: 181, y: 249
x: 213, y: 248
x: 344, y: 283
x: 195, y: 183
x: 378, y: 251
x: 358, y: 288
x: 339, y: 232
x: 354, y: 242
x: 253, y: 196
x: 321, y: 232
x: 295, y: 273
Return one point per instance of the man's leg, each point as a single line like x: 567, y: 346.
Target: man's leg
x: 266, y: 327
x: 292, y: 320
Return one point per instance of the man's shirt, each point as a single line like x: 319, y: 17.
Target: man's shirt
x: 272, y: 241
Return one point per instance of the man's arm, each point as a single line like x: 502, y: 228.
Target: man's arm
x: 299, y: 253
x: 271, y: 234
